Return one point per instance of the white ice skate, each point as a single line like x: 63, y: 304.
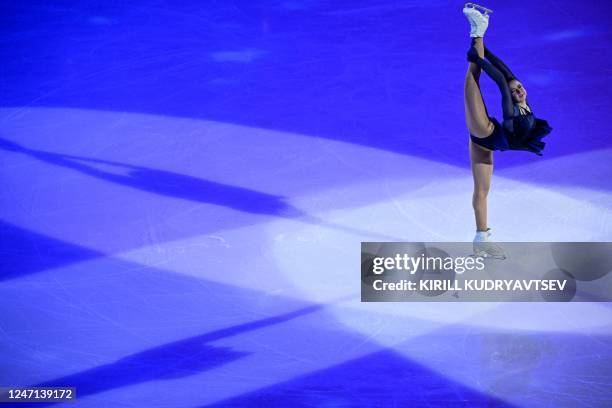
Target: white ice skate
x: 485, y: 247
x: 479, y: 22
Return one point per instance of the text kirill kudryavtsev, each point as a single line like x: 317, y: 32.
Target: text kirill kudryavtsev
x: 472, y: 285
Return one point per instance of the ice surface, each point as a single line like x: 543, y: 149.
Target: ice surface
x: 185, y: 187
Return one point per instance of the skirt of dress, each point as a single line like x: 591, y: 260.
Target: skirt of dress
x: 501, y: 139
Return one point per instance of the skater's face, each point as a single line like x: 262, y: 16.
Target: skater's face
x: 519, y: 93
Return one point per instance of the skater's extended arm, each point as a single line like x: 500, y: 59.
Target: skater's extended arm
x: 499, y: 78
x: 499, y: 64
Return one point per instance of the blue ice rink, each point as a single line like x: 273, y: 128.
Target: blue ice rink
x: 185, y: 186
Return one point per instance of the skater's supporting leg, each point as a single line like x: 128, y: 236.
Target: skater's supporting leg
x: 476, y: 115
x: 482, y: 170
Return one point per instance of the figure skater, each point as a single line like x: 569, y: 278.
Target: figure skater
x: 521, y: 130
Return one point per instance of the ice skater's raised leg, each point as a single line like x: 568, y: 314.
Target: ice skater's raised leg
x: 476, y: 115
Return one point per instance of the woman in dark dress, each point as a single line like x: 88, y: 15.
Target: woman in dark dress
x: 520, y: 129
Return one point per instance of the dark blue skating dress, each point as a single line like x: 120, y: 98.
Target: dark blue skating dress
x: 523, y: 132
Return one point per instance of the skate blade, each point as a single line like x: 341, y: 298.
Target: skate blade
x: 485, y: 254
x: 478, y: 7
